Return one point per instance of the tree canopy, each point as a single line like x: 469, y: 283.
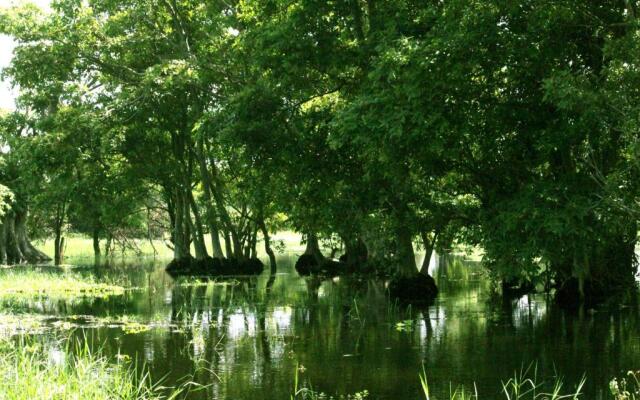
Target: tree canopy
x: 512, y: 126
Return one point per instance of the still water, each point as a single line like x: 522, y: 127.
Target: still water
x: 245, y: 337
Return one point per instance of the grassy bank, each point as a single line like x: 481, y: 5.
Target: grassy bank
x: 29, y: 283
x: 30, y: 370
x: 78, y: 246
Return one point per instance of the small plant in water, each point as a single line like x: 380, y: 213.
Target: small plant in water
x: 30, y: 369
x: 520, y: 387
x: 404, y: 326
x: 31, y: 284
x: 135, y: 327
x: 307, y: 393
x: 626, y: 388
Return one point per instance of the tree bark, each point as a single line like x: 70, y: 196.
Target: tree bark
x: 405, y: 256
x: 180, y: 245
x: 429, y: 245
x: 30, y: 253
x: 57, y: 246
x: 207, y: 185
x: 96, y: 244
x: 227, y: 244
x: 313, y: 247
x: 267, y: 245
x: 3, y: 243
x: 58, y: 249
x: 216, y: 190
x: 14, y: 254
x: 355, y: 250
x: 200, y: 247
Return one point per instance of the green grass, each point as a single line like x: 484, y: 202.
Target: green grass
x: 626, y: 388
x: 79, y: 246
x: 524, y: 385
x: 28, y: 283
x: 31, y: 370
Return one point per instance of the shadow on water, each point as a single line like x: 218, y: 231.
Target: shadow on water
x: 245, y: 336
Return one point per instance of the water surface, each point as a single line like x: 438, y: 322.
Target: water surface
x: 244, y: 338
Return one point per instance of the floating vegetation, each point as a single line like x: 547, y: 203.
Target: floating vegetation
x: 199, y: 281
x: 30, y: 284
x: 308, y: 393
x: 13, y: 324
x: 404, y: 326
x: 135, y: 327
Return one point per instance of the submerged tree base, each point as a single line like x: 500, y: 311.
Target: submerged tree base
x: 568, y: 294
x: 215, y: 266
x: 420, y: 289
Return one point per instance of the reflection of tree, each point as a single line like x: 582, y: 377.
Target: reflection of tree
x: 313, y: 286
x: 263, y: 336
x: 349, y: 325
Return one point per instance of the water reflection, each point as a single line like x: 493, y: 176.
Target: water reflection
x: 244, y: 337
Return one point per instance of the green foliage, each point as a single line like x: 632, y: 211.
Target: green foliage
x: 508, y: 126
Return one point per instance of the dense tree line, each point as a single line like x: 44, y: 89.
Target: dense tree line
x: 383, y: 125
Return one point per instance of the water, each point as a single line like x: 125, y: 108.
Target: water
x: 245, y: 337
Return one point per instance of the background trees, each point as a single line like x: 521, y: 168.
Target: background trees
x: 388, y: 125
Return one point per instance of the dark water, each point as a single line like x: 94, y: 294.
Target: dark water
x: 245, y: 337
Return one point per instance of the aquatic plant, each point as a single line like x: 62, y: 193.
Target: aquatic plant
x: 27, y: 284
x: 308, y: 393
x: 627, y: 388
x: 32, y: 370
x: 524, y: 385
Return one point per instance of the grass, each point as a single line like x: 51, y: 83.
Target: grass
x: 14, y: 324
x: 28, y: 283
x: 627, y: 388
x: 307, y: 393
x: 31, y: 370
x: 519, y: 387
x: 80, y: 246
x: 524, y: 385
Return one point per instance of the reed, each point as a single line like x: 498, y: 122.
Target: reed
x: 31, y: 369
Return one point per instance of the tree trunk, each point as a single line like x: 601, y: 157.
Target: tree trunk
x: 206, y: 189
x: 3, y: 243
x: 355, y: 250
x: 405, y: 256
x: 216, y: 190
x: 200, y: 247
x: 313, y: 247
x: 254, y: 243
x: 227, y: 244
x: 267, y: 245
x: 198, y: 244
x: 237, y: 245
x: 180, y: 245
x: 57, y: 246
x: 30, y: 253
x: 429, y: 244
x: 107, y: 244
x: 96, y: 244
x: 14, y: 254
